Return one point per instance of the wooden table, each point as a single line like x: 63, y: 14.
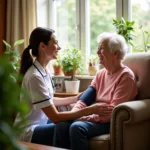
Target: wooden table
x: 64, y: 94
x: 32, y: 146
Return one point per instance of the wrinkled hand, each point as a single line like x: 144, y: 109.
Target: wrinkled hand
x: 102, y: 109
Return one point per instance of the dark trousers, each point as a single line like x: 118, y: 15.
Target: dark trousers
x: 75, y: 135
x: 43, y: 134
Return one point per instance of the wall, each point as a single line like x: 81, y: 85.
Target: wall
x: 2, y: 24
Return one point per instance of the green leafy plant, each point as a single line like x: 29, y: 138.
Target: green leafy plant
x: 146, y: 41
x: 125, y: 28
x: 14, y: 57
x: 10, y: 105
x: 72, y: 61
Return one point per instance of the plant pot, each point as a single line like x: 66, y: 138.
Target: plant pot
x: 69, y: 73
x: 72, y: 86
x: 57, y: 70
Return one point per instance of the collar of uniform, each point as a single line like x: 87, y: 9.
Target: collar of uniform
x: 40, y: 68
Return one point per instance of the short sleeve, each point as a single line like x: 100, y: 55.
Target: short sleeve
x: 94, y: 81
x: 39, y: 92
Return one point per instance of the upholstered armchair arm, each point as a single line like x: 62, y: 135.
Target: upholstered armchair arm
x: 125, y: 121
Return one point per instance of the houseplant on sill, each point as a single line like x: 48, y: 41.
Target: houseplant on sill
x: 57, y: 65
x: 72, y: 63
x: 93, y: 65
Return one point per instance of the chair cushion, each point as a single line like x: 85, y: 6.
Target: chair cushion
x: 100, y: 142
x: 140, y: 65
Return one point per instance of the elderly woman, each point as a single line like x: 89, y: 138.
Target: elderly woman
x: 114, y: 84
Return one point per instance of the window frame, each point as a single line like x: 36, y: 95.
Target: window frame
x: 123, y: 9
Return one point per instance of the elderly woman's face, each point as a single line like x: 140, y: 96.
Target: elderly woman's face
x: 105, y: 56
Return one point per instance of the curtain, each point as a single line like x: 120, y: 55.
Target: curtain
x: 21, y: 20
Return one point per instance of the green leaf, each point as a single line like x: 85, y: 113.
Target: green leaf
x: 132, y: 23
x: 131, y: 44
x: 7, y: 45
x: 146, y: 32
x: 122, y: 19
x: 142, y: 50
x: 19, y: 42
x: 130, y: 28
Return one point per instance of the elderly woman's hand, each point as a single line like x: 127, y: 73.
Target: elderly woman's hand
x: 102, y: 109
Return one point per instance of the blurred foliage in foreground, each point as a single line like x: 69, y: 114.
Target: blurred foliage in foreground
x: 9, y: 107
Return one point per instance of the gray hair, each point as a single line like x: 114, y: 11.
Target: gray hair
x: 115, y: 42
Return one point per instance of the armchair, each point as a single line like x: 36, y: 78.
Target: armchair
x: 130, y: 123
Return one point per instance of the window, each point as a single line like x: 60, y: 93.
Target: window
x: 42, y: 13
x: 79, y: 22
x: 66, y: 22
x: 102, y: 12
x: 140, y: 14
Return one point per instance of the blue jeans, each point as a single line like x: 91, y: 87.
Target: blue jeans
x: 75, y: 135
x: 43, y: 134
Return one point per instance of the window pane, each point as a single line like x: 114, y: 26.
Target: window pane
x: 102, y: 12
x: 140, y: 14
x: 42, y: 13
x: 65, y: 26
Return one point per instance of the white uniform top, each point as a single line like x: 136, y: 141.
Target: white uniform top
x: 40, y: 87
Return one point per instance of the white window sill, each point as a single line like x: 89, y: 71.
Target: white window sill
x: 77, y: 76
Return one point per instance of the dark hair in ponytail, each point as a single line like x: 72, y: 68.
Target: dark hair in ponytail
x: 37, y: 36
x: 26, y: 61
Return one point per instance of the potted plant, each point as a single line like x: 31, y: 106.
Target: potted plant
x: 71, y: 63
x: 93, y: 65
x: 57, y: 65
x: 146, y: 41
x: 125, y: 28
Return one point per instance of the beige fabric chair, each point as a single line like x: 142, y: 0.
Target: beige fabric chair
x: 130, y: 123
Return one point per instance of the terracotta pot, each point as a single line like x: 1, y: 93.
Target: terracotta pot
x: 57, y: 70
x: 69, y: 73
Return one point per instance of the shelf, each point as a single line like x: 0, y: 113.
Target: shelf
x: 77, y: 76
x: 64, y: 94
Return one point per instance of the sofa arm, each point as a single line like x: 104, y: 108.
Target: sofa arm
x: 127, y: 113
x: 138, y: 110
